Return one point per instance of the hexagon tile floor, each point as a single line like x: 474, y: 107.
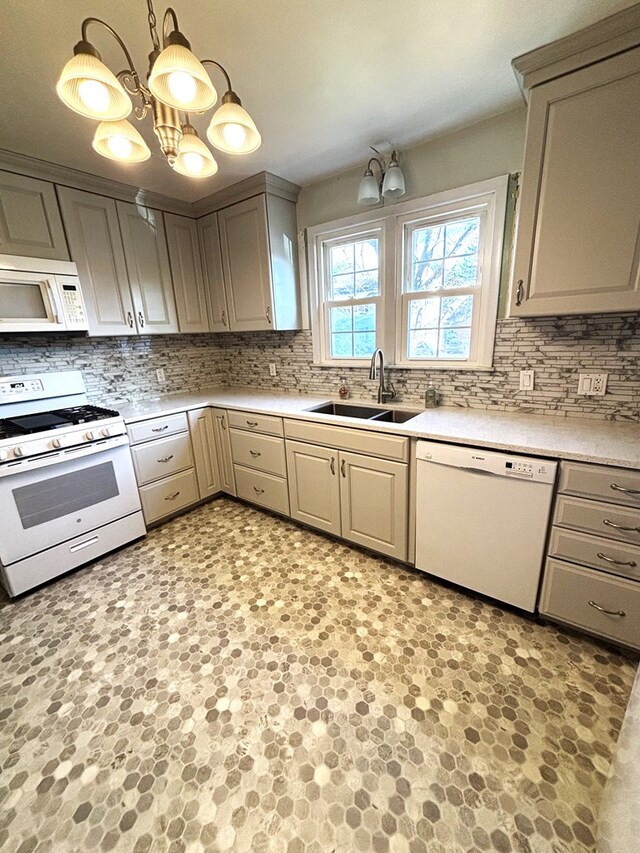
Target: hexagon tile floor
x: 235, y: 682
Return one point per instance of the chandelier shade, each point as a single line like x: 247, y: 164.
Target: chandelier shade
x: 194, y: 158
x: 233, y: 130
x: 88, y: 87
x: 119, y: 140
x: 179, y: 79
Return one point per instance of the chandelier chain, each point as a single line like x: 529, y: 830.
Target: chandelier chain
x: 153, y: 24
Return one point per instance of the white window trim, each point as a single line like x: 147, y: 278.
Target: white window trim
x: 489, y: 198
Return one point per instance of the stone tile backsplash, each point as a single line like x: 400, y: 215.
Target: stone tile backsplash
x: 557, y: 348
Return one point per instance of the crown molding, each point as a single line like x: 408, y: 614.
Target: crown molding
x: 612, y: 35
x: 11, y: 161
x: 260, y: 183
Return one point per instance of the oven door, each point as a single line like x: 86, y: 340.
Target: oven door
x: 30, y: 302
x: 49, y: 500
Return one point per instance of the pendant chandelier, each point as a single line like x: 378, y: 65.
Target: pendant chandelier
x: 177, y: 84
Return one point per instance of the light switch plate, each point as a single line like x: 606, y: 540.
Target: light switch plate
x: 592, y: 384
x: 527, y: 379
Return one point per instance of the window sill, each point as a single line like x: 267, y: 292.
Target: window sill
x: 428, y: 366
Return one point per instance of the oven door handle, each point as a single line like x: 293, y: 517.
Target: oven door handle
x: 36, y: 462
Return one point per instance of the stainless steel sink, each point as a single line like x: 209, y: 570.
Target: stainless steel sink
x: 396, y: 416
x: 369, y: 413
x: 348, y: 410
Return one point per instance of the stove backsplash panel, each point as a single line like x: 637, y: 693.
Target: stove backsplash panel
x: 557, y: 348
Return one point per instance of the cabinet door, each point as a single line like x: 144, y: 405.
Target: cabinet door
x: 245, y: 260
x: 204, y: 451
x: 578, y: 241
x: 223, y: 445
x: 213, y: 276
x: 145, y: 251
x: 30, y: 223
x: 186, y: 272
x: 314, y: 490
x: 374, y: 503
x: 92, y: 226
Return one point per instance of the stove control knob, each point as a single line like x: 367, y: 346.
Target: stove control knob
x: 105, y: 431
x: 89, y: 435
x: 56, y: 442
x: 18, y: 451
x: 4, y: 454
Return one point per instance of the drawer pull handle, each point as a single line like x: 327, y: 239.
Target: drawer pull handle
x: 617, y: 488
x: 255, y: 453
x: 160, y: 429
x: 258, y: 491
x: 631, y: 563
x: 604, y: 610
x: 343, y: 468
x: 166, y: 458
x: 172, y: 497
x: 621, y: 527
x: 222, y: 421
x: 519, y: 291
x: 333, y: 465
x: 252, y: 423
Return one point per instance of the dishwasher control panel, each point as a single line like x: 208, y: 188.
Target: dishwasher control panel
x: 489, y: 462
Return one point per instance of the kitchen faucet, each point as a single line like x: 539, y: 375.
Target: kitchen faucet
x: 384, y: 394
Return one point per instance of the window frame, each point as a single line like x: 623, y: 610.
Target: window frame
x: 395, y: 225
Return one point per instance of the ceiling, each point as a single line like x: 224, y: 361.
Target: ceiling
x: 323, y: 79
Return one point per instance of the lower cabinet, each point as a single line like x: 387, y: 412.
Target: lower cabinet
x: 203, y: 440
x: 223, y: 445
x: 259, y: 463
x: 362, y: 498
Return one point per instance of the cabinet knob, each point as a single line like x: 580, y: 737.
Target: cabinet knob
x: 268, y: 314
x: 519, y: 292
x: 223, y: 317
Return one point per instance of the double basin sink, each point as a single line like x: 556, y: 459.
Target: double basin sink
x: 368, y: 413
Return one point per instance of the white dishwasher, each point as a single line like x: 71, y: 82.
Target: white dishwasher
x: 482, y: 519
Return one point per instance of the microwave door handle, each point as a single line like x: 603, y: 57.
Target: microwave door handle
x: 53, y: 296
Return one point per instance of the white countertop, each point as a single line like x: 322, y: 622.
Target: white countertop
x: 587, y: 440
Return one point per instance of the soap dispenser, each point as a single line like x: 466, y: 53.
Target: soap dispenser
x: 431, y: 397
x: 343, y: 390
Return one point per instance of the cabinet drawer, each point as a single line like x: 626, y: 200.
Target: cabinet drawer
x: 604, y: 554
x: 157, y: 428
x: 264, y: 452
x: 157, y: 459
x: 567, y: 591
x: 168, y: 495
x: 614, y: 485
x: 346, y: 438
x: 256, y: 423
x: 612, y: 522
x: 264, y: 489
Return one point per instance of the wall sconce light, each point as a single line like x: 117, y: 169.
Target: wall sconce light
x: 390, y: 183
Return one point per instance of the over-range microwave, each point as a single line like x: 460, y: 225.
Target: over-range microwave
x: 39, y: 295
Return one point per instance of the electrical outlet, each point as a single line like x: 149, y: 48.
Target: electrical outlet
x: 160, y: 375
x: 527, y: 380
x: 272, y: 369
x: 592, y: 384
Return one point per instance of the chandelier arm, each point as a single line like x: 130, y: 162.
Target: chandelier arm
x: 217, y: 64
x: 136, y: 88
x: 169, y: 14
x: 380, y: 166
x: 131, y: 69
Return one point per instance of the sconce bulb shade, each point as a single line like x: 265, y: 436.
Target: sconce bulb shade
x: 179, y: 80
x: 233, y: 130
x: 393, y: 183
x: 88, y: 87
x: 369, y: 189
x: 119, y: 140
x: 194, y: 158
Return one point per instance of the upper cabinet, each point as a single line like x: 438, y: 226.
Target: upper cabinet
x: 209, y: 239
x: 145, y: 251
x: 96, y: 247
x: 578, y: 239
x: 30, y: 223
x: 187, y: 274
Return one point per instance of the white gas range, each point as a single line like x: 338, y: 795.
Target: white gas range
x: 67, y: 487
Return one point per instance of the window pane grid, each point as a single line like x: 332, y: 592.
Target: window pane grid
x: 444, y: 256
x: 439, y: 327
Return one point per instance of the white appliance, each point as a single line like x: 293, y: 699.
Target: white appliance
x: 40, y: 296
x: 482, y: 519
x: 68, y: 491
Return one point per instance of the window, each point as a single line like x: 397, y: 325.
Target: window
x: 443, y: 253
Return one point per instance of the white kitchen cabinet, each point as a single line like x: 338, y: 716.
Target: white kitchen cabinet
x: 374, y: 503
x: 223, y: 446
x: 209, y: 239
x: 145, y: 251
x: 201, y: 426
x: 91, y: 222
x: 578, y: 232
x: 186, y: 272
x: 259, y: 260
x: 30, y: 223
x: 314, y: 488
